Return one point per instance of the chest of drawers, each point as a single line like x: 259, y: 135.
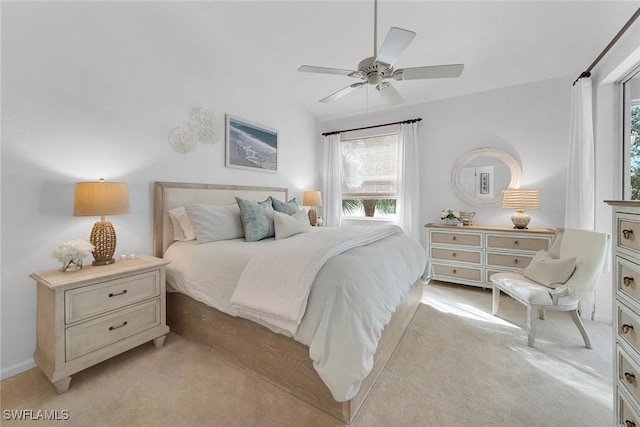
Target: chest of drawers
x: 470, y: 255
x: 90, y: 315
x: 626, y: 312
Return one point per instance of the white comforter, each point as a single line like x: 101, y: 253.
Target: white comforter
x: 352, y: 298
x: 280, y: 300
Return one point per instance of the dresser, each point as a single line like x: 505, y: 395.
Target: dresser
x: 626, y: 312
x: 90, y: 315
x: 469, y: 255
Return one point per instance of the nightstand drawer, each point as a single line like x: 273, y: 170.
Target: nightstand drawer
x: 455, y: 272
x: 90, y: 336
x: 508, y: 260
x: 516, y: 243
x: 629, y: 233
x: 454, y: 238
x: 81, y: 303
x: 474, y: 257
x: 627, y: 415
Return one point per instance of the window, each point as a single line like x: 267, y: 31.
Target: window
x: 631, y: 136
x: 370, y: 176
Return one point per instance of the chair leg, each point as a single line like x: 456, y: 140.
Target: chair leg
x: 496, y: 300
x: 541, y: 314
x: 531, y: 324
x: 576, y: 319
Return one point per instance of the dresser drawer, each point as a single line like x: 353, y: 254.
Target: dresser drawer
x: 628, y: 231
x: 627, y: 414
x: 456, y: 272
x: 508, y: 260
x: 90, y: 336
x: 628, y: 279
x: 628, y: 372
x: 495, y: 241
x: 474, y: 257
x: 455, y: 238
x: 628, y: 327
x: 81, y: 303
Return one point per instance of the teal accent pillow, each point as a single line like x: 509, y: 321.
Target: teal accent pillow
x: 257, y: 219
x: 289, y: 207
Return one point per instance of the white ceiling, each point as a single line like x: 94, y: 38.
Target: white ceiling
x: 501, y: 43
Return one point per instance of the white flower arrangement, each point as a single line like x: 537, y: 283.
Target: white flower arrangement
x: 72, y: 250
x: 449, y: 214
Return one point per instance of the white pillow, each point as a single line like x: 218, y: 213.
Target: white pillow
x: 549, y: 271
x: 182, y: 227
x: 212, y: 223
x: 290, y: 225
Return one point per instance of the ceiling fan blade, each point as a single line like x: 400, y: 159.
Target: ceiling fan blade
x: 342, y: 92
x: 431, y: 72
x: 389, y: 93
x: 393, y: 45
x: 325, y: 70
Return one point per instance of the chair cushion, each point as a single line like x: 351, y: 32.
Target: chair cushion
x: 527, y: 291
x: 548, y: 271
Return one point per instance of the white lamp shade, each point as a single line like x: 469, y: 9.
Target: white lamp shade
x: 311, y: 198
x: 520, y: 198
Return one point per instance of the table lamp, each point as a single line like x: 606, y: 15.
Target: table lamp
x: 312, y: 199
x: 520, y: 199
x: 100, y: 199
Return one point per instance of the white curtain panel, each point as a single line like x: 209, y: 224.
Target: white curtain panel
x: 580, y: 192
x: 331, y: 186
x: 407, y: 203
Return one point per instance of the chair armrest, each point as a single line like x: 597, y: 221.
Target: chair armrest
x: 560, y: 292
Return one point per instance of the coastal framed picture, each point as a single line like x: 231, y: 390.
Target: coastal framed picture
x: 251, y: 146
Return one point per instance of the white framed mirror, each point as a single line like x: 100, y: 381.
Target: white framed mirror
x: 480, y: 176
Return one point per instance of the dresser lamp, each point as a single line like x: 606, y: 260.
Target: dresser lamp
x: 520, y: 199
x: 312, y: 199
x: 100, y: 199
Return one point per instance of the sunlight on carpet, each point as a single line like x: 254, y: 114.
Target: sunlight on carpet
x: 464, y: 310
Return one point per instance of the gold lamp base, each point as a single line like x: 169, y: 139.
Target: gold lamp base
x: 520, y: 219
x: 313, y: 217
x: 103, y: 237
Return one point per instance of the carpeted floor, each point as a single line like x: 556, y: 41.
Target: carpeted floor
x: 456, y: 365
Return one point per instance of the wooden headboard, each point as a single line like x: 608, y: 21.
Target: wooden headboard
x: 169, y: 195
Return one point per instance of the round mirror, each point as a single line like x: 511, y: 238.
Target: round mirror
x: 480, y: 176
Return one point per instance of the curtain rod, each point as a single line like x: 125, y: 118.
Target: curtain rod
x: 587, y: 73
x: 335, y: 132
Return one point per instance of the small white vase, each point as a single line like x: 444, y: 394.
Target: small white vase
x: 451, y: 221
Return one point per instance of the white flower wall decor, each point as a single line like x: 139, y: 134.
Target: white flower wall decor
x: 204, y: 126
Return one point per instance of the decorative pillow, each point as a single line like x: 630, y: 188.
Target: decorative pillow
x: 182, y: 227
x: 257, y: 219
x: 212, y: 222
x: 549, y: 271
x: 289, y: 207
x: 290, y: 225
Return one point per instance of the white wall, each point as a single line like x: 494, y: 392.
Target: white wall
x: 531, y: 122
x: 91, y: 89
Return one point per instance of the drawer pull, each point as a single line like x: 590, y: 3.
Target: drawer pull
x: 112, y: 328
x: 627, y: 233
x: 454, y: 271
x: 629, y: 423
x: 626, y: 328
x: 631, y: 379
x: 515, y: 261
x: 454, y: 238
x: 119, y: 293
x: 515, y: 243
x: 627, y: 280
x: 453, y: 254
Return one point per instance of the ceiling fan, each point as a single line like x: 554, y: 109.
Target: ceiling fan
x: 378, y: 68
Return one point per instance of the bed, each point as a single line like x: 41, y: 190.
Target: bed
x: 251, y: 344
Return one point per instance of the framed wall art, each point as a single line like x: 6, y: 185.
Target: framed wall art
x: 251, y: 146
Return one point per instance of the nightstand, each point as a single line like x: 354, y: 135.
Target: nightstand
x: 90, y: 315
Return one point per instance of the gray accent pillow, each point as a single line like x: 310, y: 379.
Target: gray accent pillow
x: 257, y: 219
x: 289, y: 207
x: 213, y: 222
x: 290, y: 225
x: 548, y: 271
